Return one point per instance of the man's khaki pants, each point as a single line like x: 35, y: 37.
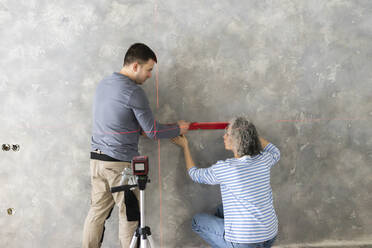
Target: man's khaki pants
x: 105, y: 175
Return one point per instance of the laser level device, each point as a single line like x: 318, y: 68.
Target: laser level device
x: 140, y: 165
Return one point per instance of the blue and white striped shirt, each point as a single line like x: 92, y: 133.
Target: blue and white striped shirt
x: 249, y: 213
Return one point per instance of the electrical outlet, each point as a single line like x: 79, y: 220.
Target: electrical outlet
x: 15, y: 147
x: 5, y: 147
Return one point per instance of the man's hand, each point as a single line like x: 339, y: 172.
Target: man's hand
x: 180, y: 141
x: 184, y: 126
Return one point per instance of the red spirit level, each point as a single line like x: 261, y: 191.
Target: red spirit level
x: 208, y: 125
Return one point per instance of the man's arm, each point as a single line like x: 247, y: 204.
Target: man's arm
x: 154, y: 130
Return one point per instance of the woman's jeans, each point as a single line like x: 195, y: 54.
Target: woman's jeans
x: 211, y: 229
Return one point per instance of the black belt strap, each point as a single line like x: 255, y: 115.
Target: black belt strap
x: 103, y: 157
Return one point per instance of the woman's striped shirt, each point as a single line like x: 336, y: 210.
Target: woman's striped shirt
x: 249, y: 214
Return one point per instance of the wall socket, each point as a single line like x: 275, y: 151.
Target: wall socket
x: 7, y: 147
x: 10, y: 211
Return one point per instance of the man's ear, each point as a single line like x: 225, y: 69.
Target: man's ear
x: 135, y: 66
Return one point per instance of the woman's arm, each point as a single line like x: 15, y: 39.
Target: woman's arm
x: 182, y: 142
x: 264, y: 142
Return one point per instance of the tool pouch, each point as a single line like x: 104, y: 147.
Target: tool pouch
x: 131, y: 204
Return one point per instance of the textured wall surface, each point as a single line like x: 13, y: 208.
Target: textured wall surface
x: 301, y: 70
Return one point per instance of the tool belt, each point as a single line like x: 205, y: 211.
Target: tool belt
x: 98, y: 155
x: 132, y: 207
x: 130, y: 199
x: 102, y: 157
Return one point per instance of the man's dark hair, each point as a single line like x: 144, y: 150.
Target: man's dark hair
x: 139, y: 52
x: 245, y: 137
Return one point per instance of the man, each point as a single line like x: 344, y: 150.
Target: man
x: 121, y: 112
x: 247, y: 218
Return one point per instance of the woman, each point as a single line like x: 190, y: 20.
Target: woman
x: 247, y: 218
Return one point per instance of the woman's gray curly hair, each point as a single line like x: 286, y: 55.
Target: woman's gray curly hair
x: 244, y: 137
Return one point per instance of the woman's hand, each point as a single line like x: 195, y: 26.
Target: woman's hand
x: 180, y: 141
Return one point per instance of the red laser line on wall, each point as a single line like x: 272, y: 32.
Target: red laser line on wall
x: 192, y: 127
x: 157, y: 86
x: 160, y: 197
x: 323, y: 119
x: 157, y: 107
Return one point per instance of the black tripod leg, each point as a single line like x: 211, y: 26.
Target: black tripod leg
x: 139, y: 238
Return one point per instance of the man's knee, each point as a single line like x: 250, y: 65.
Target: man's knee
x: 98, y: 216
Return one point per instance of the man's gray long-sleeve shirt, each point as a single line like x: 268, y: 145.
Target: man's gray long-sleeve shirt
x: 120, y: 112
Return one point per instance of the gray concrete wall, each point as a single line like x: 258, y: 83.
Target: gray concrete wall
x: 301, y: 70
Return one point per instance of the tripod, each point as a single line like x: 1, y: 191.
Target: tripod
x: 142, y: 231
